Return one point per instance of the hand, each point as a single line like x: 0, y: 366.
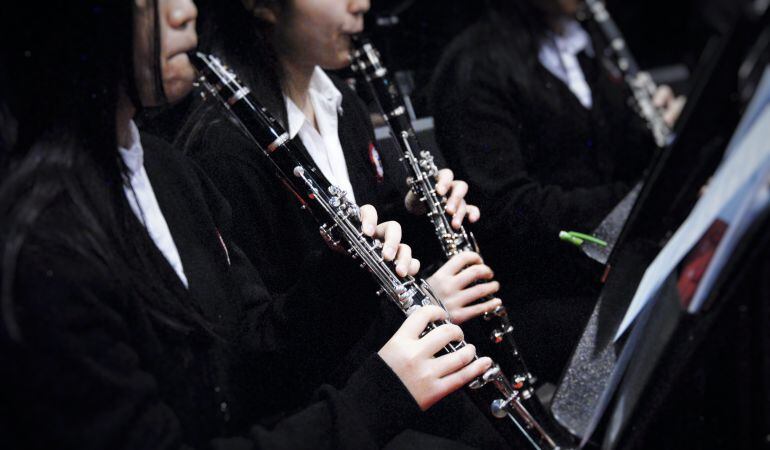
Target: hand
x: 454, y: 285
x: 389, y: 233
x: 430, y: 379
x: 455, y: 206
x: 671, y: 105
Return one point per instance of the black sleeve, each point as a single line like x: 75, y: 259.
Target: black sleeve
x: 322, y: 302
x: 80, y: 380
x: 296, y: 326
x: 271, y: 323
x: 348, y: 418
x: 478, y: 127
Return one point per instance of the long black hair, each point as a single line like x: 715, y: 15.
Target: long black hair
x: 66, y: 65
x: 230, y: 30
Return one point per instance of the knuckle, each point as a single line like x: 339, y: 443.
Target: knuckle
x: 486, y: 306
x: 420, y: 314
x: 469, y: 353
x: 430, y: 310
x: 447, y: 332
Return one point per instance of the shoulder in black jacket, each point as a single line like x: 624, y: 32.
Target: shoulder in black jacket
x: 95, y: 370
x: 535, y: 169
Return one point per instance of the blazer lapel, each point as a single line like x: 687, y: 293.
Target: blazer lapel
x: 363, y: 176
x: 193, y: 231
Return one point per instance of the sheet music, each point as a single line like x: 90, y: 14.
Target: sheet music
x: 748, y: 153
x: 752, y: 201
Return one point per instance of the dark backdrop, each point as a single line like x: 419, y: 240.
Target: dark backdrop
x: 659, y: 32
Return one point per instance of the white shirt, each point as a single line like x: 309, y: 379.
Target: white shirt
x: 558, y: 53
x: 142, y: 199
x: 322, y: 144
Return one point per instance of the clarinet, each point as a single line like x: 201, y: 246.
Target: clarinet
x: 639, y: 82
x: 340, y: 226
x: 422, y: 180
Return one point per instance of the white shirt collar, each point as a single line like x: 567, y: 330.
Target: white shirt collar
x: 559, y: 54
x: 573, y: 39
x: 133, y: 156
x: 141, y: 197
x: 323, y: 91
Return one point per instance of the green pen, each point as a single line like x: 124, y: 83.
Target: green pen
x: 578, y: 239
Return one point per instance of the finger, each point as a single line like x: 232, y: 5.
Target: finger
x: 474, y: 213
x: 457, y: 218
x: 473, y: 293
x: 460, y: 261
x: 462, y: 377
x: 414, y: 266
x: 413, y: 203
x: 471, y: 274
x: 403, y: 260
x: 438, y: 338
x: 459, y: 189
x: 674, y: 110
x: 470, y: 295
x: 463, y: 315
x: 663, y: 95
x: 444, y: 181
x: 419, y: 319
x: 368, y: 215
x: 452, y: 362
x: 390, y: 234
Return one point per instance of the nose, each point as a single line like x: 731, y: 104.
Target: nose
x: 183, y: 12
x: 358, y: 7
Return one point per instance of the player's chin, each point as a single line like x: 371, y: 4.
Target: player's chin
x: 178, y: 77
x: 176, y: 89
x: 337, y: 61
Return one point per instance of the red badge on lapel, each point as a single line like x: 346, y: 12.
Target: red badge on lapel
x: 374, y: 157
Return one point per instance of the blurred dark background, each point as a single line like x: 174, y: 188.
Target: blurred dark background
x: 411, y: 34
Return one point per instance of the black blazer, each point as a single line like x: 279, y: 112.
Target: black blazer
x: 283, y: 241
x: 280, y: 239
x: 96, y: 370
x: 536, y: 164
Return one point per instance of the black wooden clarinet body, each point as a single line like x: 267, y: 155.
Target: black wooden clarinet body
x: 341, y: 228
x: 365, y: 62
x: 639, y: 82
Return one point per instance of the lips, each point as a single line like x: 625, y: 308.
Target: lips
x: 191, y: 41
x: 355, y: 30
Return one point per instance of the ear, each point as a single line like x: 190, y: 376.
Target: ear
x: 266, y: 14
x: 260, y: 11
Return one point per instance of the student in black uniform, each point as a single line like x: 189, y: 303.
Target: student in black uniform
x: 273, y: 47
x: 542, y: 130
x: 333, y: 127
x: 129, y: 319
x: 296, y: 42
